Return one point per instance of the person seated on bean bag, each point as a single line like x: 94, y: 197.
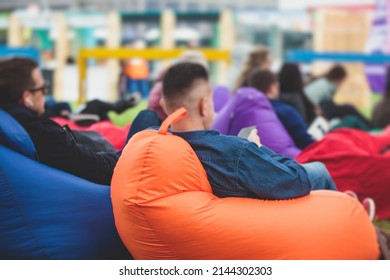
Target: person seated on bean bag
x: 291, y: 92
x: 249, y: 107
x: 22, y: 95
x: 47, y: 213
x: 323, y: 88
x: 266, y: 82
x: 321, y: 91
x: 164, y: 209
x: 235, y: 166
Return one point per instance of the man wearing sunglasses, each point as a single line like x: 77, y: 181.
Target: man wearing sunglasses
x: 34, y: 98
x: 22, y: 95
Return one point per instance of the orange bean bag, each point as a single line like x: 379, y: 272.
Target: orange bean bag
x: 164, y: 209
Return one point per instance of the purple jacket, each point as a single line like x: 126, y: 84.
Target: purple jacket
x: 250, y: 107
x: 220, y: 97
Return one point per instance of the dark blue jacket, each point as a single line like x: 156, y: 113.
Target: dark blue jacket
x: 237, y: 167
x: 293, y: 123
x: 58, y: 148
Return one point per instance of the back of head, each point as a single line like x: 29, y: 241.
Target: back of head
x: 258, y: 58
x: 291, y: 82
x: 336, y: 73
x: 15, y: 79
x: 179, y: 82
x: 262, y: 80
x: 290, y: 78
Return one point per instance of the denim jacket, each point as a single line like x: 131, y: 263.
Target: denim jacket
x: 237, y: 167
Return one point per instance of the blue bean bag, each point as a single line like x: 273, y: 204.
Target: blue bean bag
x: 46, y: 213
x: 250, y: 107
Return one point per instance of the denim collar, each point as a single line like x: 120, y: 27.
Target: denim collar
x: 197, y: 134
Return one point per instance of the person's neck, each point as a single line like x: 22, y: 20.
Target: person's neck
x: 186, y: 125
x: 271, y: 97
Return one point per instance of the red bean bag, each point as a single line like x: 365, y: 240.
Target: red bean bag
x: 164, y: 209
x: 355, y: 162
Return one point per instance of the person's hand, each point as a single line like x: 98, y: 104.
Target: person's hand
x: 254, y: 137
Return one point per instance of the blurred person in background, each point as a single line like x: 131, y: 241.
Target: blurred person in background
x: 325, y: 87
x: 137, y: 72
x: 258, y: 58
x: 321, y: 92
x: 291, y: 92
x: 22, y: 95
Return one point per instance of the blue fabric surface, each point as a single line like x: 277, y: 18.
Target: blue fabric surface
x: 49, y: 214
x: 46, y: 213
x: 14, y: 136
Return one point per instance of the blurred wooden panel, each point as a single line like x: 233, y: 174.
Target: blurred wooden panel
x: 344, y: 31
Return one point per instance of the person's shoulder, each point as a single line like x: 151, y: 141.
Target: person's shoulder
x: 290, y: 96
x: 315, y: 83
x: 289, y: 108
x: 281, y: 105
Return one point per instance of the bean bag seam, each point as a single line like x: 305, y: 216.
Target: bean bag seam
x: 138, y: 204
x: 155, y: 233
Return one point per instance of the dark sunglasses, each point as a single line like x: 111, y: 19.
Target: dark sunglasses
x: 45, y: 88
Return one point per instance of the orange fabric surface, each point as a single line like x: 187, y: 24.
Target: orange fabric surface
x: 164, y: 209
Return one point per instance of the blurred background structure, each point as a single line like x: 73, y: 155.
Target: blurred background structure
x: 59, y: 29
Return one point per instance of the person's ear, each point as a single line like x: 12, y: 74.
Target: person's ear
x: 163, y: 105
x: 27, y: 100
x: 203, y: 106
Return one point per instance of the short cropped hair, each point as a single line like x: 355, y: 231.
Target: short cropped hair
x: 180, y: 78
x: 15, y: 78
x: 262, y: 80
